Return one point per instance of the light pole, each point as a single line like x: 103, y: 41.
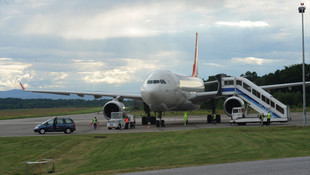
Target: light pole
x: 302, y: 11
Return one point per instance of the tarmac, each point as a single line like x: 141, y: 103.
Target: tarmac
x: 24, y: 127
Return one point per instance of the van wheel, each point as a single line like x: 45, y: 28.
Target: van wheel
x: 42, y: 131
x: 68, y: 131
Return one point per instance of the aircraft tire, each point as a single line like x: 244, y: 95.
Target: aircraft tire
x: 157, y: 123
x: 153, y: 120
x: 162, y: 123
x: 218, y: 118
x: 209, y: 119
x: 144, y: 121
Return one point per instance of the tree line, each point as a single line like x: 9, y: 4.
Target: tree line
x: 17, y: 103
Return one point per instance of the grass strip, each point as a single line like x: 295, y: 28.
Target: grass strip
x: 129, y: 152
x: 42, y: 112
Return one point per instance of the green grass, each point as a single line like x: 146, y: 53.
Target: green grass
x: 42, y: 112
x: 128, y: 152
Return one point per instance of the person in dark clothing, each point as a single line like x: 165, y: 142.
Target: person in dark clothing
x: 54, y: 123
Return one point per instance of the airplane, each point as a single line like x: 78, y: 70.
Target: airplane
x: 164, y: 91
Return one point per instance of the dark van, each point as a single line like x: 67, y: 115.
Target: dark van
x: 66, y: 125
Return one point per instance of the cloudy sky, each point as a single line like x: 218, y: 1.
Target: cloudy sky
x: 110, y: 46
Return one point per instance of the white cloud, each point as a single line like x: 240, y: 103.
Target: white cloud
x: 130, y: 20
x: 125, y: 21
x: 215, y: 65
x: 249, y: 24
x: 11, y: 72
x: 252, y: 60
x: 130, y: 72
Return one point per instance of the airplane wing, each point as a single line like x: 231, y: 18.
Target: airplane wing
x: 82, y: 94
x: 268, y: 87
x: 285, y: 85
x: 203, y: 96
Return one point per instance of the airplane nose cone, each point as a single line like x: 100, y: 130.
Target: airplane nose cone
x: 152, y: 95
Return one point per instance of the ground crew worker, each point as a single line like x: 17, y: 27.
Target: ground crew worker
x: 126, y: 122
x: 262, y: 119
x: 95, y: 123
x: 214, y: 119
x: 185, y: 119
x: 54, y: 123
x: 268, y: 118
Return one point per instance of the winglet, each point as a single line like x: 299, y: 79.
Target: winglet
x: 195, y: 66
x: 21, y: 85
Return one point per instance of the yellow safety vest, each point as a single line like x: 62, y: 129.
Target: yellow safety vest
x: 268, y: 116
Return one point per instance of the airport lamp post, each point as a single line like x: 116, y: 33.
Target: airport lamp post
x: 302, y: 11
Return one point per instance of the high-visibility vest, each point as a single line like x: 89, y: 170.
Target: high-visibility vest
x: 262, y: 116
x: 214, y: 116
x: 268, y: 115
x: 185, y: 116
x: 95, y: 121
x: 126, y: 120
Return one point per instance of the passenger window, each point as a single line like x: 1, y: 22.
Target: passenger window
x: 257, y: 94
x: 247, y: 87
x: 229, y: 82
x: 239, y: 82
x: 68, y: 121
x: 272, y: 104
x: 60, y: 121
x: 50, y: 122
x: 280, y: 109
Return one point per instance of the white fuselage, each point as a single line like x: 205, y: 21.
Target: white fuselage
x: 164, y: 91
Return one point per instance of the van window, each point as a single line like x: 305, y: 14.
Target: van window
x: 50, y: 122
x: 60, y: 121
x: 68, y: 121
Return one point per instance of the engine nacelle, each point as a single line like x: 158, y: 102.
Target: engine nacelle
x: 232, y: 102
x: 112, y: 106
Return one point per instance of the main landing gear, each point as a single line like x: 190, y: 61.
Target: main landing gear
x: 152, y: 119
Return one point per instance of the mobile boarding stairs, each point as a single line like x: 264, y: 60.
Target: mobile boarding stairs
x: 257, y: 98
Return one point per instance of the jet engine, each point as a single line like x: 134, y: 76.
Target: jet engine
x: 112, y: 106
x: 232, y: 102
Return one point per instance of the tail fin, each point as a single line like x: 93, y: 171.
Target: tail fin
x: 22, y: 86
x: 195, y: 66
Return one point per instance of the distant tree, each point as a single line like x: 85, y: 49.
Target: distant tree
x: 252, y: 76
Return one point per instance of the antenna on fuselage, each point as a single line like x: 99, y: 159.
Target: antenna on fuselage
x: 195, y: 66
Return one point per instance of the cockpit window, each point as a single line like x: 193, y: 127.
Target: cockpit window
x: 156, y: 81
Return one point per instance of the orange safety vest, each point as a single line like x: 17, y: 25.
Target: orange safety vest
x: 126, y: 120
